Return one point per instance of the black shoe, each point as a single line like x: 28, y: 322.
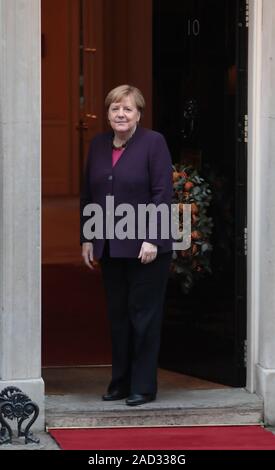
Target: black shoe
x: 115, y: 395
x: 140, y: 399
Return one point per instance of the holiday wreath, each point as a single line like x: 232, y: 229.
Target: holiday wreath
x: 190, y: 188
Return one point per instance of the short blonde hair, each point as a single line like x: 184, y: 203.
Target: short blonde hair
x: 118, y: 93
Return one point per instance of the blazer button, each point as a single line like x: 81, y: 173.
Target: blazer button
x: 110, y: 177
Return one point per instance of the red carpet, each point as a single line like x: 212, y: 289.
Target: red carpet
x: 185, y: 438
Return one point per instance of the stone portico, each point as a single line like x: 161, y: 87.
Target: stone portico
x: 20, y: 153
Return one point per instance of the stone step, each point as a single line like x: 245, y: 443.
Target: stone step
x: 181, y: 408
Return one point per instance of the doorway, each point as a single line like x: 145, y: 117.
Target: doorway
x: 174, y: 52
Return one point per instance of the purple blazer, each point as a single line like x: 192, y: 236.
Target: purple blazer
x: 142, y: 175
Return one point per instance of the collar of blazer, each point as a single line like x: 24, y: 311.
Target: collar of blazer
x: 138, y: 132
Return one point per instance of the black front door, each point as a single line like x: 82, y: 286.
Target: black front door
x: 200, y: 59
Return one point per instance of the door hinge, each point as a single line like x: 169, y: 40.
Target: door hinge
x: 247, y: 13
x: 243, y: 18
x: 245, y: 128
x: 245, y: 352
x: 245, y: 241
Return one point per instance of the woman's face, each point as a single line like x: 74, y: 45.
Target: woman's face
x: 124, y: 115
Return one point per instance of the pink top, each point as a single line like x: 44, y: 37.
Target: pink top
x: 116, y: 155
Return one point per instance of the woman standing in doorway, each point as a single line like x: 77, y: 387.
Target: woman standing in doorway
x: 133, y: 165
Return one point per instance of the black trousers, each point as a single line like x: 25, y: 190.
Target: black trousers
x: 135, y: 295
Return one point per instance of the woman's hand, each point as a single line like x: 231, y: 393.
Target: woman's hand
x: 88, y: 254
x: 148, y: 252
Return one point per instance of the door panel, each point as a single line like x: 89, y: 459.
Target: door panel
x: 200, y: 54
x: 56, y: 170
x: 72, y: 49
x: 128, y: 48
x: 56, y: 97
x: 91, y: 103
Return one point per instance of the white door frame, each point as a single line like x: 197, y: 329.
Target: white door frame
x: 253, y: 186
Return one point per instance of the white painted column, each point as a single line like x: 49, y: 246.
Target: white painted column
x: 20, y: 124
x: 266, y: 337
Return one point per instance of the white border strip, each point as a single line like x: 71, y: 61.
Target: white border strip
x: 253, y: 209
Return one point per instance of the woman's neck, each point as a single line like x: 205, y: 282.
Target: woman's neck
x: 121, y: 138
